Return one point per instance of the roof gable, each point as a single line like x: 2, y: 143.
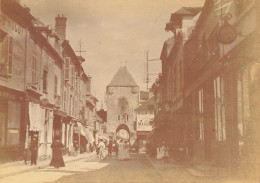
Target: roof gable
x: 123, y: 78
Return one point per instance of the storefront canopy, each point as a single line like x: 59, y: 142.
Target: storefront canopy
x: 89, y: 135
x: 79, y: 129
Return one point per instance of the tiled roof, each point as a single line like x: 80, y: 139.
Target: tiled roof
x: 188, y: 11
x: 146, y: 106
x: 123, y: 78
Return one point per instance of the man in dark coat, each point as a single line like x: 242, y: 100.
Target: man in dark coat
x: 57, y: 159
x: 110, y: 144
x: 34, y: 149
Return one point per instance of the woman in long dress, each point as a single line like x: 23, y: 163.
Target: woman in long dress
x: 57, y: 159
x: 121, y: 150
x: 127, y: 149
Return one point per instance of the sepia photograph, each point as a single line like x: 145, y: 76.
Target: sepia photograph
x: 129, y: 91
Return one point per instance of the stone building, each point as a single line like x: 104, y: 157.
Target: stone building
x: 122, y: 98
x: 43, y: 87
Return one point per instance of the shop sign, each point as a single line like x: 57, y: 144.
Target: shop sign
x: 144, y: 125
x: 10, y: 95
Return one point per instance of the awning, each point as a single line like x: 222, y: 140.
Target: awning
x: 89, y: 135
x: 79, y: 129
x: 101, y: 136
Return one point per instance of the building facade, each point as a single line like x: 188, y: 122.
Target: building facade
x: 216, y: 114
x: 122, y: 98
x: 43, y: 86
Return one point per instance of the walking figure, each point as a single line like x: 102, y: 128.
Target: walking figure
x: 110, y: 144
x: 57, y: 159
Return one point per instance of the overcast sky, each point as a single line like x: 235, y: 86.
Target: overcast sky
x: 113, y: 31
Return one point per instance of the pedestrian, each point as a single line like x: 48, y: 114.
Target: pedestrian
x: 127, y: 150
x: 34, y: 148
x: 110, y: 144
x: 102, y: 148
x: 165, y: 153
x: 116, y: 147
x: 159, y: 153
x: 57, y: 159
x: 121, y: 150
x: 98, y: 148
x: 87, y: 148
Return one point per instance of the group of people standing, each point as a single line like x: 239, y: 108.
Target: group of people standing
x: 32, y: 151
x: 104, y: 149
x: 124, y: 150
x: 162, y: 152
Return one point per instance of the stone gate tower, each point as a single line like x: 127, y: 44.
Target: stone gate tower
x: 122, y: 98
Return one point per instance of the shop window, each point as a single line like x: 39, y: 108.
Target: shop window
x: 201, y: 111
x: 243, y: 102
x: 220, y: 122
x: 13, y: 123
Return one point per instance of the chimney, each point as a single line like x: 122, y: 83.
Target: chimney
x: 60, y: 26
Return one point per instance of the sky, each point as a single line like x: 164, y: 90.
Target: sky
x: 113, y: 33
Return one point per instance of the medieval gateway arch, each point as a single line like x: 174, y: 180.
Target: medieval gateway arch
x: 122, y: 97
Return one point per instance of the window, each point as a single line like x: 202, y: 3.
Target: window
x: 220, y: 126
x: 10, y: 55
x: 118, y: 117
x: 67, y: 69
x: 72, y: 77
x: 55, y: 85
x: 201, y: 120
x: 77, y: 82
x: 64, y: 100
x: 34, y: 70
x: 6, y: 55
x: 126, y: 117
x: 45, y: 79
x: 243, y: 101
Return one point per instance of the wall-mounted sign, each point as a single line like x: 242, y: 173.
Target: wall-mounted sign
x: 227, y: 33
x: 144, y: 125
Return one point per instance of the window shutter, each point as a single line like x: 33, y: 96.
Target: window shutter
x: 67, y: 69
x: 10, y: 55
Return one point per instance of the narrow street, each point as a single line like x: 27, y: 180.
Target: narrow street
x: 137, y: 169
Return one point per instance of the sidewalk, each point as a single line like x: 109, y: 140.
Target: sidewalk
x: 17, y: 167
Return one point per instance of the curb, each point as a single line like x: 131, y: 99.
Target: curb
x: 44, y: 166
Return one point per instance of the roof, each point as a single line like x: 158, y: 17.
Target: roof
x: 188, y: 11
x: 123, y: 78
x: 147, y: 105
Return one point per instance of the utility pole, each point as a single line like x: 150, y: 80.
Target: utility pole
x: 80, y: 48
x: 147, y: 74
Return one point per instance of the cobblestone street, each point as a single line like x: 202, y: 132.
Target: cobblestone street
x: 137, y: 169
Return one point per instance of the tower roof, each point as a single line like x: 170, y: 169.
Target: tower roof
x: 123, y: 78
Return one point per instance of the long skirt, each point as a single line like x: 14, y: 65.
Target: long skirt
x: 57, y: 159
x: 121, y: 153
x: 127, y: 153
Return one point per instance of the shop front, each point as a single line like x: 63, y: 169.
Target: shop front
x: 12, y: 124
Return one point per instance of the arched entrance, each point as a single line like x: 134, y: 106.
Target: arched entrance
x: 123, y: 132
